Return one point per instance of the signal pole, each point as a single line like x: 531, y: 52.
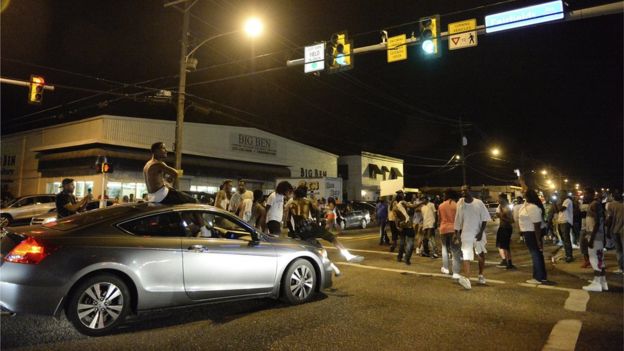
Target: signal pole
x: 179, y: 131
x: 463, y: 154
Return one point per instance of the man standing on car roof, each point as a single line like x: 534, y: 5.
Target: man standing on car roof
x: 66, y: 204
x: 159, y: 176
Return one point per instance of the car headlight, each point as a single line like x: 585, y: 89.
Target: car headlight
x: 322, y: 252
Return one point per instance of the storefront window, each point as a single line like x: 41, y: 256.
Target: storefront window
x: 205, y: 189
x: 113, y: 190
x: 80, y: 190
x: 119, y: 190
x: 53, y: 188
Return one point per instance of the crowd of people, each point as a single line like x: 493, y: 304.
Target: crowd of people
x: 458, y: 222
x: 416, y: 222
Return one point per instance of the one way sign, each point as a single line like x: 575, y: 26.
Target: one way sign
x: 462, y: 34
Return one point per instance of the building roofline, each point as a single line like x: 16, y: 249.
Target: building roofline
x: 384, y: 157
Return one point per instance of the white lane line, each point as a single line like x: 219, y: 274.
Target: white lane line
x: 576, y: 301
x: 394, y: 254
x: 356, y: 238
x: 564, y: 335
x: 439, y: 275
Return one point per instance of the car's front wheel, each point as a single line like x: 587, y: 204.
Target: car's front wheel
x: 299, y: 282
x: 363, y: 224
x: 98, y: 305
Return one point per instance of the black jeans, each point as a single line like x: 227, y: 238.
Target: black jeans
x: 383, y: 237
x: 275, y: 227
x: 537, y: 256
x: 175, y: 196
x: 406, y: 246
x: 395, y: 233
x: 564, y: 232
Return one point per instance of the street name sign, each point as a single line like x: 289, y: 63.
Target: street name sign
x: 462, y: 34
x: 397, y: 50
x: 549, y: 11
x: 314, y: 58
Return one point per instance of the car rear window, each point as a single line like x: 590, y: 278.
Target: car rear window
x: 90, y: 217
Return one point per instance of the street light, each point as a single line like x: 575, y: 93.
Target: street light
x: 253, y: 27
x: 544, y: 172
x: 495, y: 151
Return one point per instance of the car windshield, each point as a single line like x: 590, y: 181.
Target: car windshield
x: 90, y: 217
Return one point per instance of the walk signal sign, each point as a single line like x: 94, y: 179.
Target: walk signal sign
x: 340, y: 53
x: 430, y: 36
x: 35, y: 94
x: 104, y: 167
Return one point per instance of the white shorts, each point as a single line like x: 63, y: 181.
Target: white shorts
x: 471, y: 245
x: 158, y: 195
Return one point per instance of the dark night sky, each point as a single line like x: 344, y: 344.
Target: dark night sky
x: 553, y: 93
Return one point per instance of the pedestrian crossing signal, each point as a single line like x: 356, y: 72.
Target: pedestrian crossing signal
x: 35, y: 95
x: 340, y: 53
x: 430, y: 36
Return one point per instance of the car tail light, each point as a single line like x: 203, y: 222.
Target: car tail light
x: 29, y: 251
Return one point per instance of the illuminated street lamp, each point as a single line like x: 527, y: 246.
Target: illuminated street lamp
x: 457, y: 157
x: 495, y: 151
x: 253, y: 27
x: 544, y: 172
x: 565, y: 181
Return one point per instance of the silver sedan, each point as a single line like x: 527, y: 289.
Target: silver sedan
x: 101, y: 266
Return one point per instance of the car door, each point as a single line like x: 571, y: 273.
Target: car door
x: 220, y: 262
x: 43, y: 204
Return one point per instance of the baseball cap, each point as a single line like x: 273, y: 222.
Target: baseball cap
x: 66, y: 181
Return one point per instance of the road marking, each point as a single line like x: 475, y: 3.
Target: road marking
x: 576, y: 301
x: 356, y: 238
x: 395, y: 253
x: 439, y: 275
x: 564, y: 335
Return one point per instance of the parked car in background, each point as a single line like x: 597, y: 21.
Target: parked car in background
x: 348, y: 217
x: 51, y: 215
x: 492, y: 206
x: 366, y: 206
x: 22, y: 209
x: 100, y: 266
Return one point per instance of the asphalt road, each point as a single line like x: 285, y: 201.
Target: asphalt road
x: 378, y: 305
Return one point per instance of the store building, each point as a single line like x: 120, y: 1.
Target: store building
x: 362, y: 174
x: 36, y: 161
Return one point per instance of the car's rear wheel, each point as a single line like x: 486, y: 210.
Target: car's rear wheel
x: 299, y: 282
x: 363, y: 224
x: 98, y: 305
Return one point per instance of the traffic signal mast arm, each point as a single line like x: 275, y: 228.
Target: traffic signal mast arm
x: 23, y: 83
x: 589, y: 12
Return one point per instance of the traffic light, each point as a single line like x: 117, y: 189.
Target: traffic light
x: 104, y: 167
x: 35, y: 95
x: 340, y: 53
x: 430, y: 36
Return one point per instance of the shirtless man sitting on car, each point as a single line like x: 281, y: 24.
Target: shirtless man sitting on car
x: 159, y: 177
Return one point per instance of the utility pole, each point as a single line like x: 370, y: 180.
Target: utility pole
x: 179, y: 132
x: 462, y: 142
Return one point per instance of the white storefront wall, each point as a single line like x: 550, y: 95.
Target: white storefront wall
x: 215, y: 141
x: 360, y: 185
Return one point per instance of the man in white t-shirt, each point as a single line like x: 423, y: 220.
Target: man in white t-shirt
x: 470, y: 221
x: 428, y: 211
x: 564, y: 222
x: 241, y: 200
x: 275, y: 207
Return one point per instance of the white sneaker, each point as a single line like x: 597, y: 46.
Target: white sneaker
x: 355, y: 259
x: 456, y: 276
x: 534, y: 281
x: 465, y: 283
x: 595, y: 285
x: 603, y: 283
x: 575, y: 247
x: 444, y: 270
x: 481, y: 280
x: 418, y: 251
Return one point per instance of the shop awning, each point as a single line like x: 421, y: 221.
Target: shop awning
x: 82, y: 162
x: 373, y: 170
x: 385, y: 169
x: 395, y: 173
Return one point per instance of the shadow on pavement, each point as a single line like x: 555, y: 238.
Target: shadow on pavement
x: 40, y: 331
